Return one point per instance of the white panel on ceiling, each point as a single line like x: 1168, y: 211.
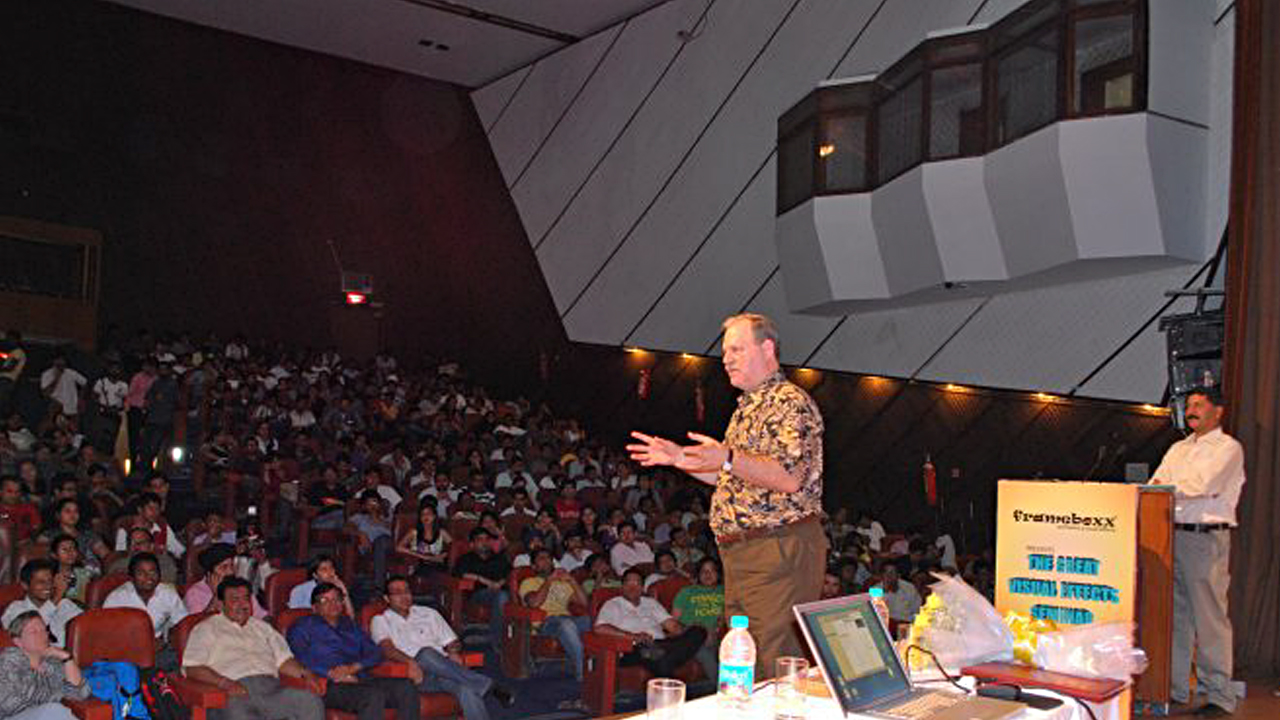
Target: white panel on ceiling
x: 1050, y: 339
x: 899, y: 27
x: 600, y: 113
x: 1179, y: 38
x: 1141, y: 371
x: 1107, y: 172
x: 740, y: 138
x: 1178, y: 162
x: 492, y: 99
x: 993, y: 10
x: 664, y: 130
x: 575, y: 17
x: 552, y: 84
x: 892, y: 342
x: 372, y: 31
x: 738, y: 256
x: 798, y: 335
x: 1220, y: 108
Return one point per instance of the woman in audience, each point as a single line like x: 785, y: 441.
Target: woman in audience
x: 490, y: 522
x: 73, y: 575
x: 428, y: 541
x: 600, y: 574
x: 544, y: 528
x: 589, y: 526
x: 66, y: 515
x: 35, y: 676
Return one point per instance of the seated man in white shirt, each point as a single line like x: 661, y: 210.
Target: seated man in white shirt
x: 628, y: 551
x: 871, y: 530
x: 520, y: 505
x: 902, y: 598
x: 245, y: 657
x: 151, y: 518
x: 575, y: 552
x: 144, y: 591
x: 45, y: 597
x: 662, y: 643
x: 420, y: 637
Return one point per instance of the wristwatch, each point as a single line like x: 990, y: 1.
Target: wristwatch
x: 728, y: 462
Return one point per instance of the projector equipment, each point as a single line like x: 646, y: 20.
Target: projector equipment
x: 357, y: 282
x: 1194, y: 342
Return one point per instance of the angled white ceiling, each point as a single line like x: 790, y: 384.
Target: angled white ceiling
x: 387, y: 33
x: 643, y: 168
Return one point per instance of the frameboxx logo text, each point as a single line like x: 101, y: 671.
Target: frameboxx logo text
x: 1099, y: 522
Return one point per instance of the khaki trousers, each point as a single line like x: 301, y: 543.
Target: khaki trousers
x: 764, y: 577
x: 1201, y: 576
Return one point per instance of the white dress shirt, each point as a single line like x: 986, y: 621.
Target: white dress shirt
x: 55, y: 617
x: 171, y: 541
x: 1208, y: 474
x: 424, y: 628
x: 165, y: 606
x: 622, y: 556
x: 647, y: 617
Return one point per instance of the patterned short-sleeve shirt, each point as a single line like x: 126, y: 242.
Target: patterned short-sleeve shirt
x: 777, y: 420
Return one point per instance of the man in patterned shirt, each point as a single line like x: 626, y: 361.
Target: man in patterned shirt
x: 768, y: 478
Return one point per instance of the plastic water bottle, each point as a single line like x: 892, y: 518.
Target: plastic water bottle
x: 877, y: 602
x: 737, y: 666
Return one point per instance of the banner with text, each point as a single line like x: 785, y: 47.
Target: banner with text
x: 1067, y: 551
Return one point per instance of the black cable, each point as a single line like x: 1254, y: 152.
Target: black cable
x: 906, y: 658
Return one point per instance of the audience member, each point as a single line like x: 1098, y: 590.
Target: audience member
x: 151, y: 519
x: 628, y: 551
x: 244, y: 657
x: 901, y: 597
x: 702, y: 604
x: 219, y: 563
x: 329, y: 644
x: 428, y: 542
x: 160, y: 600
x: 36, y: 675
x: 662, y: 643
x: 420, y: 637
x: 552, y: 590
x: 43, y: 597
x: 489, y: 572
x: 140, y: 542
x: 72, y: 576
x: 373, y: 533
x: 575, y: 553
x: 600, y: 574
x: 15, y: 508
x: 66, y: 518
x: 321, y: 570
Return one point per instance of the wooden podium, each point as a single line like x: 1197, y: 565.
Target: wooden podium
x: 1080, y: 553
x: 1155, y: 596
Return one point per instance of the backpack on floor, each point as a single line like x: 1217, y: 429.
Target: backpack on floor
x: 162, y: 697
x: 120, y: 684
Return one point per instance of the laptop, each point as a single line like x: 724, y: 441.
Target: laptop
x: 865, y: 675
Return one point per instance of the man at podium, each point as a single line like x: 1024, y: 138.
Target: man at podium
x: 1207, y: 471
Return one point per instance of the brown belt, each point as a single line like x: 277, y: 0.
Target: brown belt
x: 756, y: 533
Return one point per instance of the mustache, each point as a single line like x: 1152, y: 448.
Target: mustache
x: 1193, y: 417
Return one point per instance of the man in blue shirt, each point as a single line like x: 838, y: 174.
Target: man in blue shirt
x: 329, y: 643
x: 373, y: 533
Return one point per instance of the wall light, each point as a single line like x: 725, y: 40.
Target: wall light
x: 952, y: 387
x: 825, y: 150
x: 1046, y: 397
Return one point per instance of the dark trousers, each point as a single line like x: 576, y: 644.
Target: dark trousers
x: 664, y: 656
x: 367, y: 698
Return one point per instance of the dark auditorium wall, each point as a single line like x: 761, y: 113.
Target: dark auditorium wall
x: 878, y: 431
x: 218, y: 167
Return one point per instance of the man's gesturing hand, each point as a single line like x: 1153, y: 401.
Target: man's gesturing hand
x: 652, y: 450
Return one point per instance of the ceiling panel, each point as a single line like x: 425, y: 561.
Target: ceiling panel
x: 387, y: 33
x: 575, y: 17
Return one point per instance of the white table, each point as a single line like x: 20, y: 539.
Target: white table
x: 826, y: 708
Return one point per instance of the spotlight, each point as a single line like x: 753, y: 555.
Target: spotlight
x: 177, y: 453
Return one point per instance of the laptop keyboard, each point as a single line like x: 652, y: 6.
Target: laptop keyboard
x: 921, y: 706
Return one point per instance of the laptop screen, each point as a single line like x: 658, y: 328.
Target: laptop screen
x: 854, y: 650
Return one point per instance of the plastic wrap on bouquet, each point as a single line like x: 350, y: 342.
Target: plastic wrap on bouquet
x: 960, y: 627
x: 1102, y: 650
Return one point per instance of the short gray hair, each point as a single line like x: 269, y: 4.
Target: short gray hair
x: 19, y: 623
x: 762, y: 328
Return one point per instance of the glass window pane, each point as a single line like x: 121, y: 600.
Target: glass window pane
x: 795, y: 168
x: 899, y: 130
x: 955, y: 111
x: 1027, y: 87
x: 1104, y: 71
x: 842, y: 153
